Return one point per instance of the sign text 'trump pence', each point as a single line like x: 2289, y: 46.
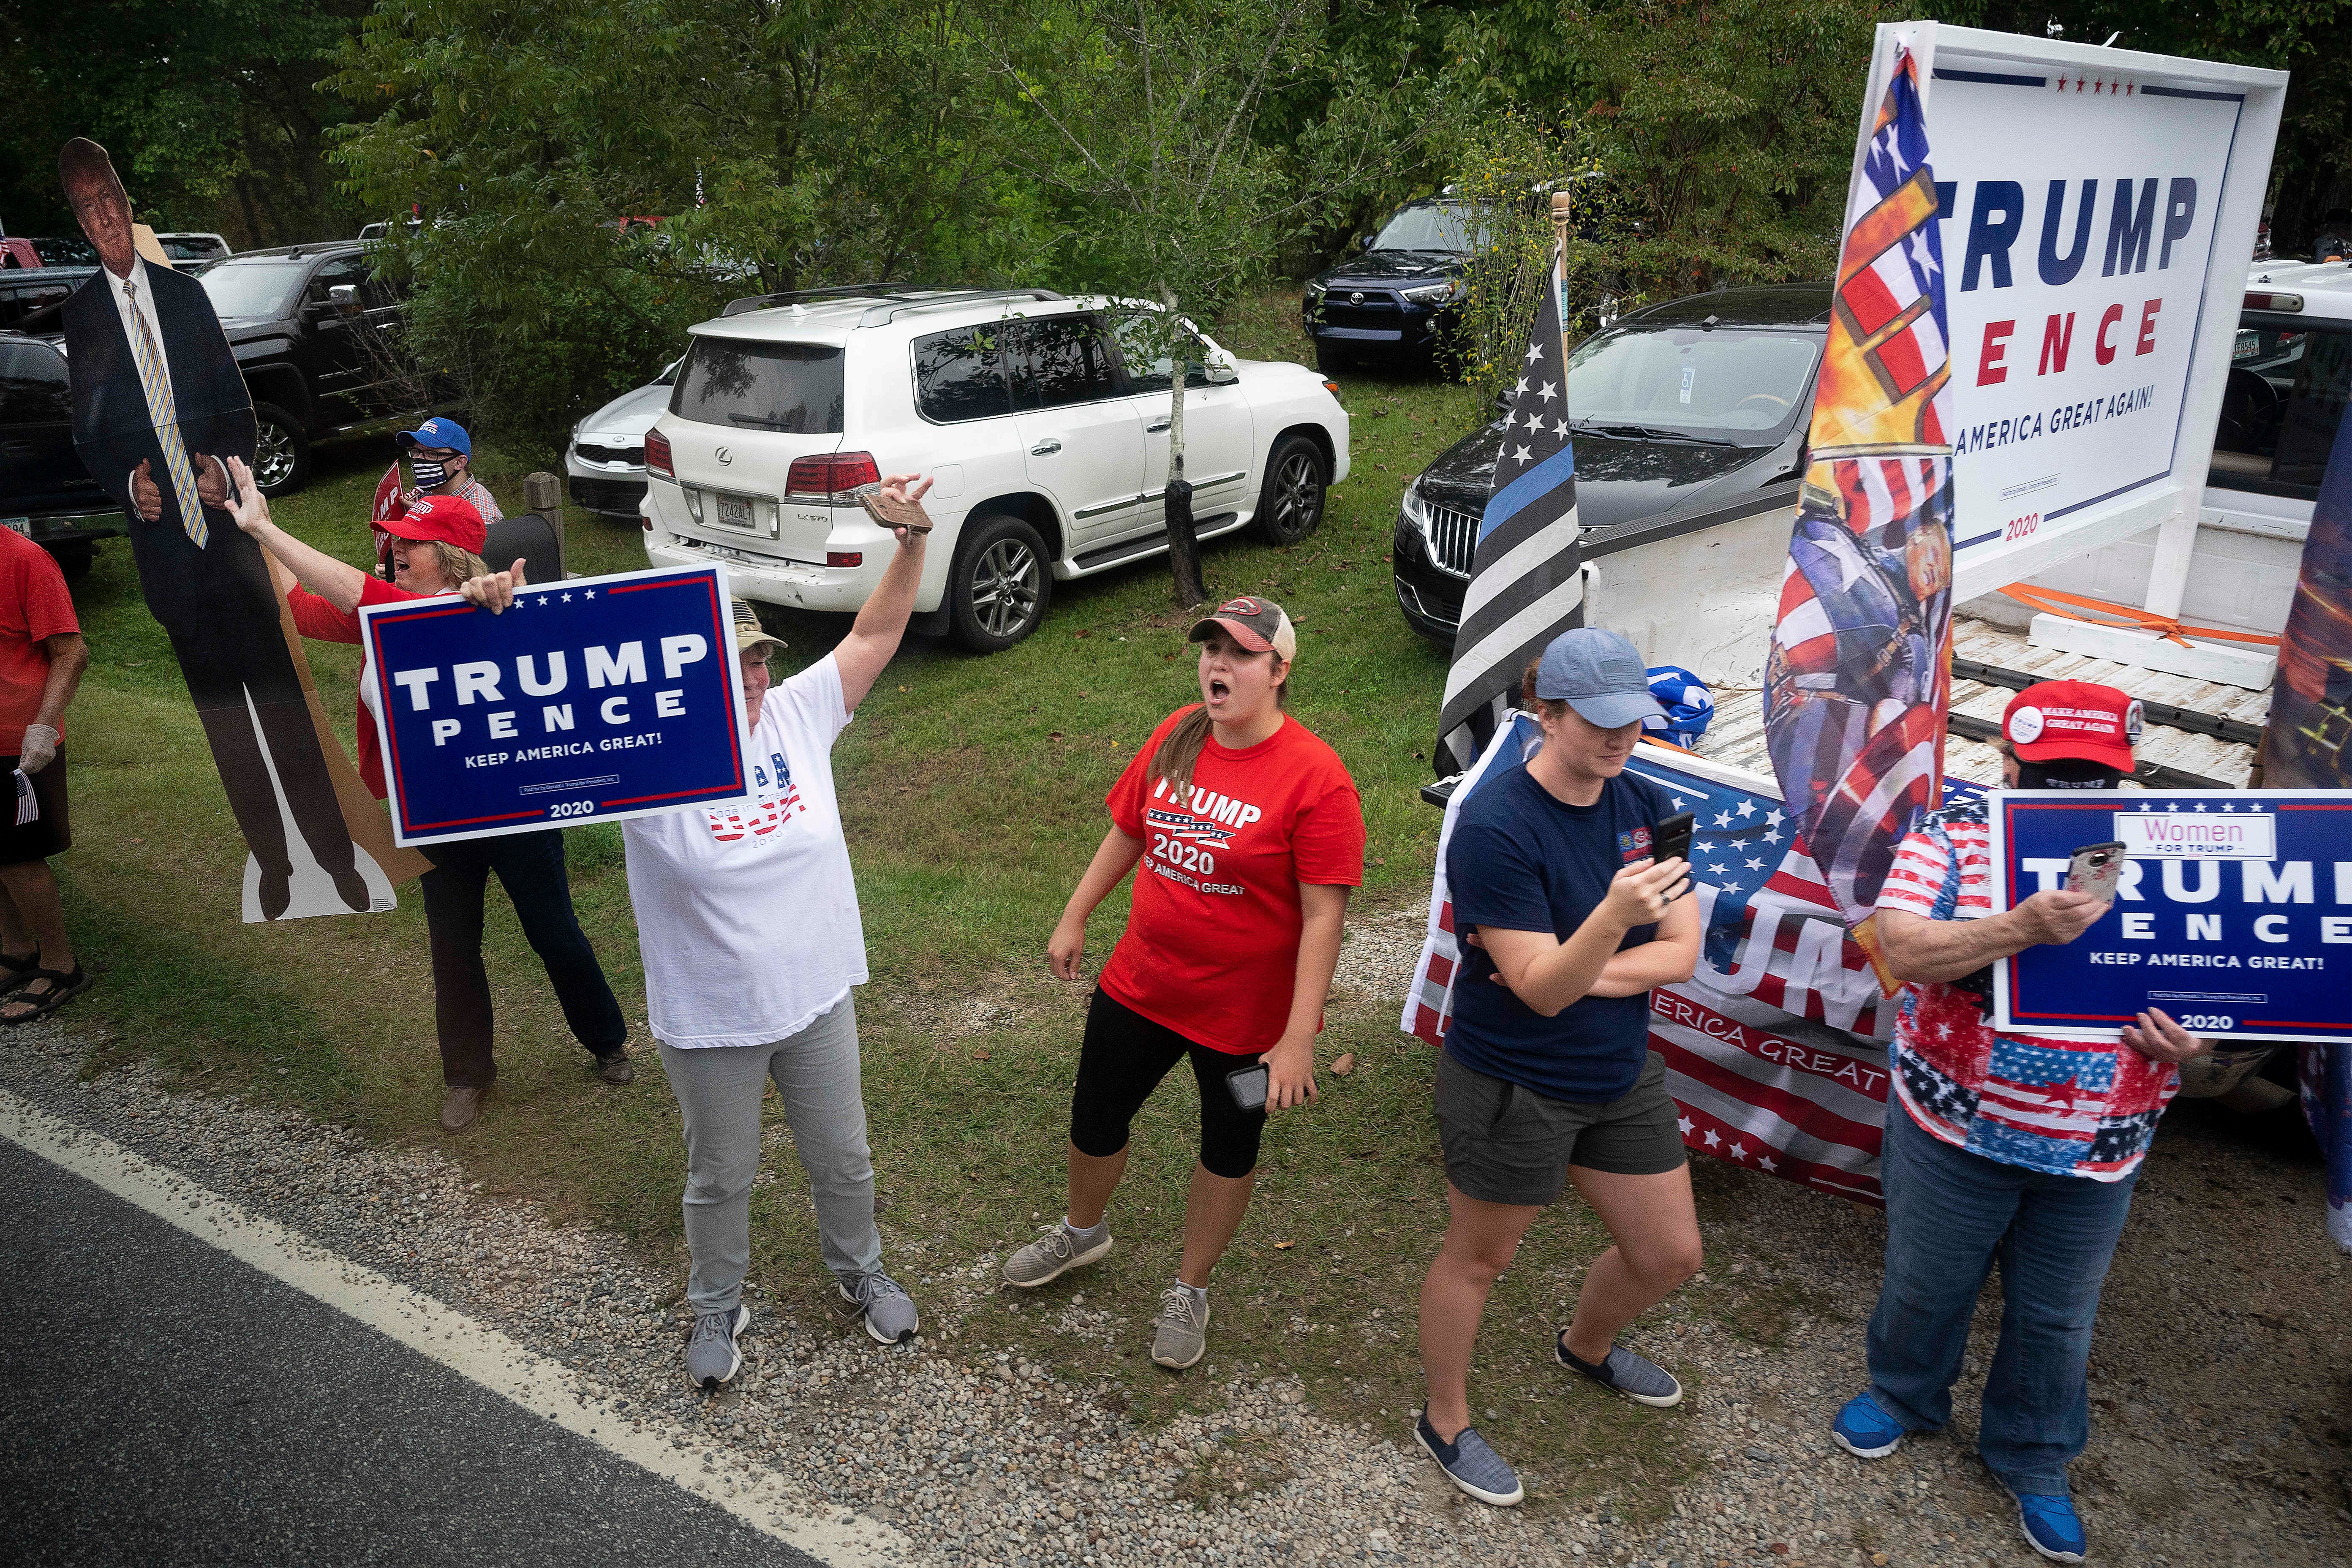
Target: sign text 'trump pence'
x: 595, y: 697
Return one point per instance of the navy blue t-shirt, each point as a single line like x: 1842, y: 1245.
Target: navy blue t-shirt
x: 1522, y: 859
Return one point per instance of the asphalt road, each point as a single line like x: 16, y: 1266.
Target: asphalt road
x: 167, y: 1403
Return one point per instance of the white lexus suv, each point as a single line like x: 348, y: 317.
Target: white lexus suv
x: 1044, y: 430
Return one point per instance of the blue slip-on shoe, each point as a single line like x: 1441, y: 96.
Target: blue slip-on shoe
x: 1637, y: 1377
x: 2052, y: 1527
x: 1470, y: 1464
x: 1865, y: 1431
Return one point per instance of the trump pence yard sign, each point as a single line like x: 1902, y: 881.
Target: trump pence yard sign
x: 595, y: 697
x: 2234, y: 914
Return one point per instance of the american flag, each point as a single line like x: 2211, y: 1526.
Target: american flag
x: 1526, y: 580
x: 1859, y: 675
x: 1775, y: 1049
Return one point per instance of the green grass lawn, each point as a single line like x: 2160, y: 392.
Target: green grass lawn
x: 973, y: 792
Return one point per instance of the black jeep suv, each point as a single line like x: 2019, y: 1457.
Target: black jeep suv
x: 1704, y: 399
x: 317, y: 363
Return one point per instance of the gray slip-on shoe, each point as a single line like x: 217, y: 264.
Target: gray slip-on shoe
x: 711, y: 1358
x: 1470, y: 1464
x: 1053, y: 1254
x: 1181, y: 1333
x: 1637, y: 1377
x: 889, y: 1311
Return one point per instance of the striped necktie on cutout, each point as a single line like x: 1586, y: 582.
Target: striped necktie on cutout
x: 166, y: 419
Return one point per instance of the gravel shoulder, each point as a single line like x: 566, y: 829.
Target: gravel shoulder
x: 2223, y: 1385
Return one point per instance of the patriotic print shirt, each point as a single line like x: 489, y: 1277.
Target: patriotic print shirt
x: 2072, y: 1107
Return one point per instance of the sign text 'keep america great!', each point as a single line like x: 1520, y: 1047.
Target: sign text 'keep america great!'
x: 2234, y: 914
x: 598, y: 698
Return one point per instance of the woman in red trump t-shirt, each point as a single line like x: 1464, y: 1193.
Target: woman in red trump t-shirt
x: 1249, y: 835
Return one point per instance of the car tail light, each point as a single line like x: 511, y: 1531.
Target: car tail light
x: 644, y: 522
x: 2260, y: 301
x: 832, y: 473
x: 657, y: 455
x: 845, y: 558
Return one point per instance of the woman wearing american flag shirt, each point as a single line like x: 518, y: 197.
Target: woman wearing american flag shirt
x: 2020, y: 1147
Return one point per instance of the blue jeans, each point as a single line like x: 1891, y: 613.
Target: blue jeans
x: 1949, y: 1215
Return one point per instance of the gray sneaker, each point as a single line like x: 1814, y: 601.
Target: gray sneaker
x: 711, y: 1357
x: 1053, y: 1254
x: 1637, y: 1377
x: 1470, y: 1464
x: 1182, y: 1329
x: 890, y: 1312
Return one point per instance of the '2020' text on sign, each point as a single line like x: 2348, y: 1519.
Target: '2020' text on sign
x: 594, y: 698
x: 2233, y: 913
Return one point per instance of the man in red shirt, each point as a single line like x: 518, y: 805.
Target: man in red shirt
x: 42, y: 657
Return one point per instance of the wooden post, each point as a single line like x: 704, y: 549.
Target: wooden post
x: 544, y: 493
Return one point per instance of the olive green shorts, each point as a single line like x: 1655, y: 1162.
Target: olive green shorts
x: 1505, y: 1144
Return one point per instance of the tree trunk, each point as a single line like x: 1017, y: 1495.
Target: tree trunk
x: 1183, y: 543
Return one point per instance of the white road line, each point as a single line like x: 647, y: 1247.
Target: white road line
x: 544, y: 1388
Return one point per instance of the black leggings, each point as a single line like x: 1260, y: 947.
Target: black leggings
x: 1123, y: 1060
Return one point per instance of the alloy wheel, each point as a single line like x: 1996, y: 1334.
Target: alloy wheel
x: 1005, y: 587
x: 1299, y: 496
x: 273, y: 456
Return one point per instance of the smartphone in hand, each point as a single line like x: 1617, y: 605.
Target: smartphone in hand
x: 2096, y: 869
x: 1672, y: 841
x: 1249, y: 1086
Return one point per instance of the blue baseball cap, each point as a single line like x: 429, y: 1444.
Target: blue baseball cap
x: 1599, y: 675
x: 438, y: 432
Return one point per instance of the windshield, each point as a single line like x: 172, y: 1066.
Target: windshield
x: 792, y: 387
x: 1447, y: 226
x: 1725, y: 384
x: 253, y: 288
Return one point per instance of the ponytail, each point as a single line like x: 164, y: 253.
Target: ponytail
x: 1180, y: 750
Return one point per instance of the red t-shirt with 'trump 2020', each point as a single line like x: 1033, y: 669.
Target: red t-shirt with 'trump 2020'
x: 1211, y: 948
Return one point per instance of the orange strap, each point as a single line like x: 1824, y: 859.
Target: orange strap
x: 2166, y: 626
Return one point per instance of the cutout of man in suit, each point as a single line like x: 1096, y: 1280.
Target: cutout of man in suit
x: 157, y: 404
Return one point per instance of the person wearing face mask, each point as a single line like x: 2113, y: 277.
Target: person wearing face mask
x: 441, y: 463
x: 1547, y: 1078
x: 435, y: 549
x: 1249, y: 833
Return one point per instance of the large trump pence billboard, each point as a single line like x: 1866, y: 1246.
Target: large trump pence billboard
x: 2097, y: 209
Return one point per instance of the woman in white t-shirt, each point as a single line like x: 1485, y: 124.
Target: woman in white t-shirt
x: 734, y: 1005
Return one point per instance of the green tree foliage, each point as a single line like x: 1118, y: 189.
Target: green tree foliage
x: 783, y: 144
x: 211, y: 108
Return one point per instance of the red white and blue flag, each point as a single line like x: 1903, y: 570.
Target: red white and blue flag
x: 1858, y: 679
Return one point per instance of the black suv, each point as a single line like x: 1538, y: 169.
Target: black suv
x: 46, y: 494
x: 1710, y: 397
x: 1395, y: 302
x: 318, y: 362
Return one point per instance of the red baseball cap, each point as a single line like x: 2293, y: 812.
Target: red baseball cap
x: 453, y: 519
x: 1258, y: 625
x: 2079, y: 719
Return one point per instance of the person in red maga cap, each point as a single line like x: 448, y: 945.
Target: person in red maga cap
x: 2022, y: 1147
x: 435, y: 546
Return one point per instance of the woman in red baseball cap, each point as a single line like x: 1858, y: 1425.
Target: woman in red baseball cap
x: 435, y: 546
x: 1249, y: 833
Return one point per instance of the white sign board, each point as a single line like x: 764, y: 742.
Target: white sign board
x: 2098, y: 212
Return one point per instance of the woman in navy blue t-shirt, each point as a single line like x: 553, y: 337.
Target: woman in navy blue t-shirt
x: 1548, y: 1077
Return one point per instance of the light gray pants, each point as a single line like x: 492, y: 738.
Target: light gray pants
x: 718, y: 1088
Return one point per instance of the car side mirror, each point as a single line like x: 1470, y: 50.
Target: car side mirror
x: 345, y: 298
x: 1364, y: 241
x: 1220, y: 373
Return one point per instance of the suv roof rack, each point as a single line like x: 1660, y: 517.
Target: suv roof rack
x: 882, y: 313
x: 803, y: 295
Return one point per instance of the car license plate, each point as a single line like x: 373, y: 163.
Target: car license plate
x: 735, y: 511
x: 22, y: 525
